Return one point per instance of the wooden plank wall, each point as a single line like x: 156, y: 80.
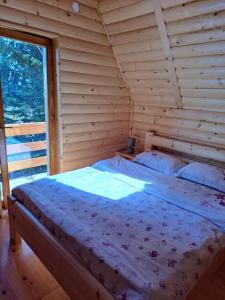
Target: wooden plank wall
x: 172, y: 54
x: 93, y: 100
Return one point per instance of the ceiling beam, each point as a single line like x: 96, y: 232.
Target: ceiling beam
x: 120, y: 69
x: 167, y: 50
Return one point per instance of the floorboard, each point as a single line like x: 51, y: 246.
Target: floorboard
x: 22, y: 275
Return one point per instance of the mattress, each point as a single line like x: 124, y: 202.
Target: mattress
x: 131, y: 226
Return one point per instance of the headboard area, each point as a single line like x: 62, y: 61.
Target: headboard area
x: 187, y: 150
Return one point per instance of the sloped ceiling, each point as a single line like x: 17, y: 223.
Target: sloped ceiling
x: 171, y: 55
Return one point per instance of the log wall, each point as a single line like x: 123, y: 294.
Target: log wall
x: 167, y: 56
x: 172, y: 54
x: 93, y: 102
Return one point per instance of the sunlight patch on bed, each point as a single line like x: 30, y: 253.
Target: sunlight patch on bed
x: 107, y: 186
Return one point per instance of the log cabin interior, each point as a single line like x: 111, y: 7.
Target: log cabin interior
x: 130, y: 200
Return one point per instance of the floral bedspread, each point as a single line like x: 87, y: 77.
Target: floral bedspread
x: 197, y: 198
x: 138, y: 245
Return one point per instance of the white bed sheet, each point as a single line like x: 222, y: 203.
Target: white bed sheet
x: 139, y: 246
x: 197, y: 198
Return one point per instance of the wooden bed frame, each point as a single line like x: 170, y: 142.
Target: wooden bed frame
x: 188, y: 151
x: 75, y: 279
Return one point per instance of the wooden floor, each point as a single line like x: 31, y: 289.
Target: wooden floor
x: 23, y: 276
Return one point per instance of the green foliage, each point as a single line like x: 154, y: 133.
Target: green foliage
x: 21, y: 71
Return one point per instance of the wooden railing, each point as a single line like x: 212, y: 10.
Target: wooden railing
x: 25, y: 129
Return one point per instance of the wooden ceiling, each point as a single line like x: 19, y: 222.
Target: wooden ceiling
x: 171, y: 54
x: 168, y: 58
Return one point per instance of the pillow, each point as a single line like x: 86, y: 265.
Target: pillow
x: 162, y: 162
x: 204, y: 174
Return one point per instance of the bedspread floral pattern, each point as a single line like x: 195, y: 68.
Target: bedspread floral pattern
x: 138, y: 246
x: 196, y: 198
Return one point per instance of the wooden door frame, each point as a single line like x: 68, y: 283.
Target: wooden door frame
x: 3, y: 156
x: 52, y: 107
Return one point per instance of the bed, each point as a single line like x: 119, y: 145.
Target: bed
x: 119, y: 230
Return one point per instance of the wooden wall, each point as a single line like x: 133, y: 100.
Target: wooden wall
x: 93, y: 100
x: 172, y: 54
x: 171, y: 57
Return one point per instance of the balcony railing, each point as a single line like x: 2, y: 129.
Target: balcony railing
x: 15, y: 130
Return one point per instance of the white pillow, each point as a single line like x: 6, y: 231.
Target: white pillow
x: 204, y: 174
x: 162, y: 162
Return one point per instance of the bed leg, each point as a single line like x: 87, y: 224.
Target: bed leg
x: 15, y: 238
